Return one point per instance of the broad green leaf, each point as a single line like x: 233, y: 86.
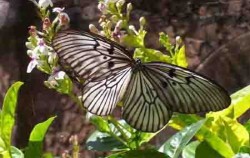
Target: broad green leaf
x: 247, y: 126
x: 230, y: 131
x: 103, y: 142
x: 7, y: 119
x: 148, y: 55
x: 180, y: 58
x: 48, y: 155
x: 150, y: 153
x: 203, y: 150
x: 174, y: 146
x: 37, y: 135
x: 189, y: 150
x: 240, y: 104
x: 16, y: 153
x: 101, y: 124
x: 215, y: 142
x: 179, y: 121
x: 244, y: 149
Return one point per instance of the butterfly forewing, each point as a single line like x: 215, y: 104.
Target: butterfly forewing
x: 90, y: 57
x: 103, y: 65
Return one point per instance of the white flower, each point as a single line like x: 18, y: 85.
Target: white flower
x: 42, y: 47
x: 52, y: 57
x: 33, y: 63
x: 59, y: 75
x: 45, y: 3
x: 58, y: 10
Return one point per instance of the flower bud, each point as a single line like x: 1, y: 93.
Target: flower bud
x: 132, y: 28
x: 32, y: 31
x: 45, y: 3
x: 93, y: 29
x: 129, y: 7
x: 120, y: 3
x: 64, y: 19
x: 178, y: 40
x: 142, y: 21
x: 46, y: 23
x: 101, y: 6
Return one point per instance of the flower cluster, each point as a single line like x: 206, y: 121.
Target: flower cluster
x: 41, y: 54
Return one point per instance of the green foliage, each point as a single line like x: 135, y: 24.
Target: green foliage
x: 7, y: 120
x: 37, y: 135
x: 174, y: 146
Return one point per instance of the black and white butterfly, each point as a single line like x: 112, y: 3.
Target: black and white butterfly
x: 150, y: 92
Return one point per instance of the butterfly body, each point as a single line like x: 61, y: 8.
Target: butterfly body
x: 150, y: 92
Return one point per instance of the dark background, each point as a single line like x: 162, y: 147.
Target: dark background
x: 215, y: 32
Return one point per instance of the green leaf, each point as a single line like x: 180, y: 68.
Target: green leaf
x: 103, y: 142
x: 176, y: 143
x: 101, y: 124
x: 47, y: 155
x: 37, y: 135
x: 181, y: 120
x: 16, y: 153
x: 204, y: 150
x: 7, y: 119
x: 135, y: 41
x: 189, y: 150
x: 230, y: 131
x: 215, y: 142
x: 164, y: 41
x: 149, y: 153
x: 244, y: 149
x: 180, y: 58
x: 148, y: 55
x: 247, y: 126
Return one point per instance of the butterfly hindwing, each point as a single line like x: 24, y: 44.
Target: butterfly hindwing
x: 101, y: 97
x: 189, y: 92
x: 143, y: 109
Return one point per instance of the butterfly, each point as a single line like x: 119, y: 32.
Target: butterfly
x: 150, y: 92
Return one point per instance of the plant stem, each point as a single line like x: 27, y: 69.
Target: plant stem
x: 117, y: 125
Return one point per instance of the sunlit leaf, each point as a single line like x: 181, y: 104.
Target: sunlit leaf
x: 149, y: 55
x: 7, y: 119
x: 204, y: 150
x: 150, y: 153
x: 180, y: 58
x: 101, y: 124
x: 189, y: 150
x: 16, y: 153
x: 174, y: 146
x: 230, y: 131
x: 37, y: 135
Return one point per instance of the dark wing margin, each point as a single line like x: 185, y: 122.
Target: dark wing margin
x: 143, y: 109
x: 188, y: 91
